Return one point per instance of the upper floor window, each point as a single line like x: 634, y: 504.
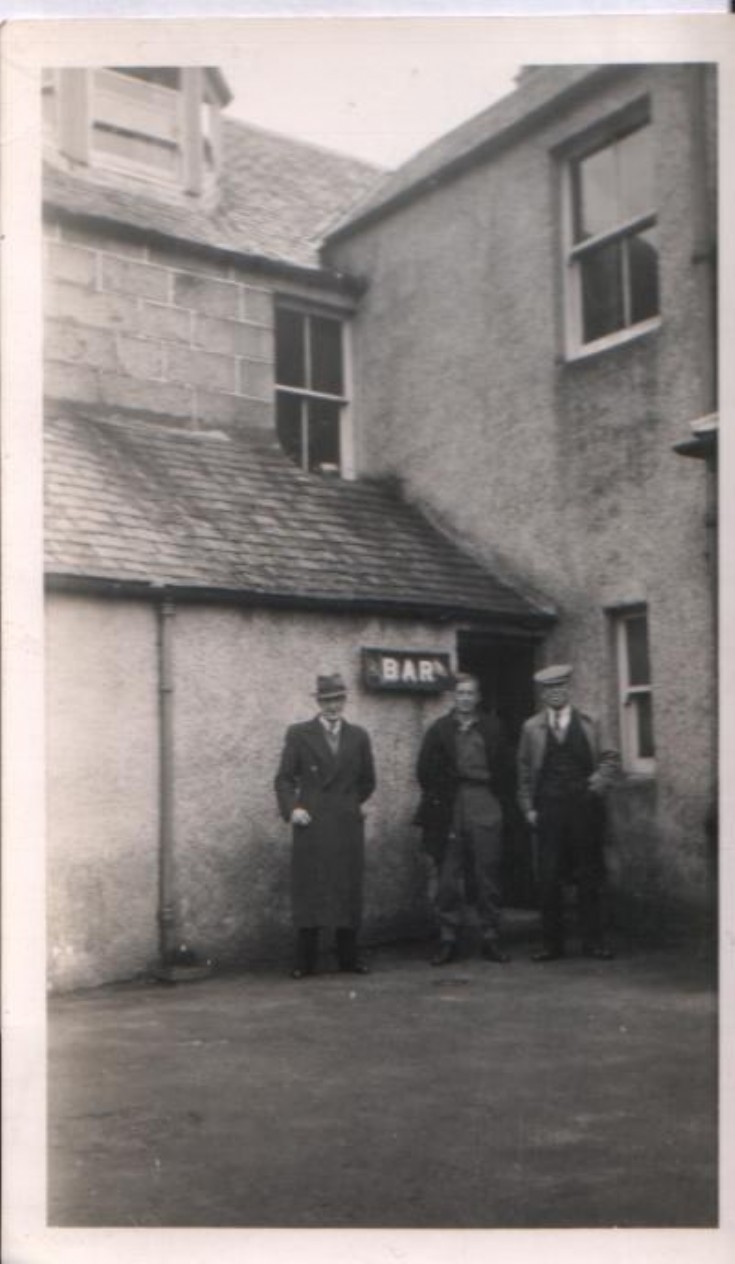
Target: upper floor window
x: 612, y: 250
x: 311, y: 398
x: 635, y: 690
x: 158, y: 123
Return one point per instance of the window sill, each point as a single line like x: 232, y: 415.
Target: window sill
x: 603, y: 345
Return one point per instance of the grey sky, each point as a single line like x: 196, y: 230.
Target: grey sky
x: 381, y: 102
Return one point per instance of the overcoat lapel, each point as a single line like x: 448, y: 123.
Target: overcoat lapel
x: 317, y: 739
x: 541, y: 737
x: 329, y: 762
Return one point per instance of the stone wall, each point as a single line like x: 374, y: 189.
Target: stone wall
x: 162, y: 332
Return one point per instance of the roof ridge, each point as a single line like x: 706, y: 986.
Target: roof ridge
x: 464, y: 143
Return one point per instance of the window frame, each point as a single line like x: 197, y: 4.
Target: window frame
x: 308, y: 311
x: 603, y: 135
x: 633, y: 761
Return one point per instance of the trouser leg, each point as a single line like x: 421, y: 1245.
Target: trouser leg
x: 551, y: 892
x: 590, y: 913
x: 449, y: 895
x: 346, y: 947
x: 486, y: 844
x: 307, y: 949
x: 590, y: 872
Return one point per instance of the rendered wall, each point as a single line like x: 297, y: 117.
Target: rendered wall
x: 102, y: 790
x: 239, y: 679
x: 556, y: 470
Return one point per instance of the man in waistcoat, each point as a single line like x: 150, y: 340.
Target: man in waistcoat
x: 563, y: 773
x: 465, y: 773
x: 325, y: 775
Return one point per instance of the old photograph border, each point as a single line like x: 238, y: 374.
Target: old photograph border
x: 26, y: 48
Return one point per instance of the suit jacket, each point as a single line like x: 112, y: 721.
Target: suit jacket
x: 438, y: 777
x: 532, y: 749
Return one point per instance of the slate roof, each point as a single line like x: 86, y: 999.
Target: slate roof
x: 133, y: 504
x: 465, y: 144
x: 276, y: 197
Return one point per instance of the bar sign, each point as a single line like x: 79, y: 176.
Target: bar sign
x: 406, y: 671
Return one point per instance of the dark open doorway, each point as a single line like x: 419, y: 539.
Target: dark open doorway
x: 504, y: 667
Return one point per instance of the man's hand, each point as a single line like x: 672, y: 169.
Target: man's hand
x: 532, y: 818
x: 300, y: 816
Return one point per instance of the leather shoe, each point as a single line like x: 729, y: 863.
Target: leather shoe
x: 493, y: 952
x: 547, y: 954
x: 447, y: 952
x: 301, y: 974
x: 359, y: 967
x: 600, y: 953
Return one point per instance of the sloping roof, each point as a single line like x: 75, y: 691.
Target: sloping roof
x: 471, y: 140
x: 276, y: 197
x: 134, y: 504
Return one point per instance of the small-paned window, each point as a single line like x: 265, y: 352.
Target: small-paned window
x: 612, y: 235
x: 635, y: 690
x: 310, y: 388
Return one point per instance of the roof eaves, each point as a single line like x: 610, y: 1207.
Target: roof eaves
x: 350, y: 285
x: 479, y: 151
x: 529, y: 623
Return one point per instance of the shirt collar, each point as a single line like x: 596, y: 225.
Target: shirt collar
x: 336, y: 722
x: 564, y: 714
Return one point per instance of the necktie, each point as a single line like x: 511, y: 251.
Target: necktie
x: 556, y: 725
x: 333, y: 735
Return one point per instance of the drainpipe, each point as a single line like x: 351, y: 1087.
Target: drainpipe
x: 176, y: 963
x: 165, y: 611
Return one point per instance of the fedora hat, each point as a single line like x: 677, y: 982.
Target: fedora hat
x: 330, y: 686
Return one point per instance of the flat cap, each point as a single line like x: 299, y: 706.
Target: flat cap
x: 559, y: 674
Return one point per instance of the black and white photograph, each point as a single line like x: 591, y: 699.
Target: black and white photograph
x: 371, y: 446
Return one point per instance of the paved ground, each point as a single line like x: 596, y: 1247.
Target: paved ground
x: 572, y: 1094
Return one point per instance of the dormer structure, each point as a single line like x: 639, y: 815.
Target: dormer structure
x: 157, y: 124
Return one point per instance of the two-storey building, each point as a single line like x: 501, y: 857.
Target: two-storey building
x: 535, y: 344
x: 211, y: 541
x: 307, y: 416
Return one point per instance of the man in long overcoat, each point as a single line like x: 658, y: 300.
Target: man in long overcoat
x: 564, y: 769
x: 325, y: 775
x: 465, y: 772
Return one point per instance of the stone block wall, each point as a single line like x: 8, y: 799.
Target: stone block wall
x: 158, y: 331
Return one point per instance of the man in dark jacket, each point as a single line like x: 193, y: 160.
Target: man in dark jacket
x: 325, y: 775
x: 465, y: 773
x: 564, y: 769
